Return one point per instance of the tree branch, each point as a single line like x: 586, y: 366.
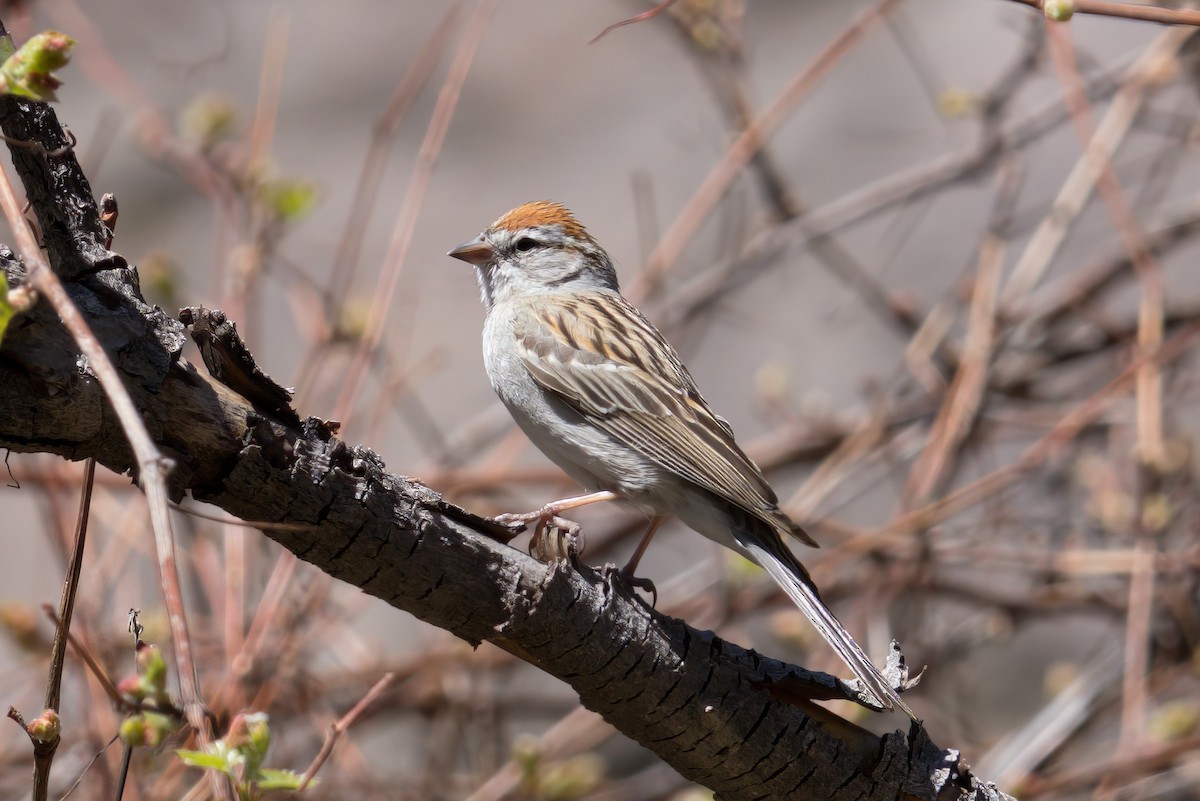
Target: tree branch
x: 738, y: 722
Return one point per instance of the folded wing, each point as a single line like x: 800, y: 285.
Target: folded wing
x: 609, y: 364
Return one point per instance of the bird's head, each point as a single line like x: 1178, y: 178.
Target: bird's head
x: 536, y: 248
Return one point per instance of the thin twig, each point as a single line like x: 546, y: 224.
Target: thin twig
x: 1146, y: 13
x: 262, y: 525
x: 339, y: 727
x: 88, y: 767
x: 123, y: 771
x: 46, y: 746
x: 90, y: 661
x: 66, y: 604
x: 965, y: 397
x: 645, y: 15
x: 270, y: 79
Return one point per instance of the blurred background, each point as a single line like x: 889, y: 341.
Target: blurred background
x: 959, y: 341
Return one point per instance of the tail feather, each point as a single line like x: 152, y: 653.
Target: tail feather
x: 791, y: 576
x: 785, y: 523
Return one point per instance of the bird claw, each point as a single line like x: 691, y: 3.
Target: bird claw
x: 518, y: 520
x: 612, y: 573
x: 568, y: 544
x: 644, y: 584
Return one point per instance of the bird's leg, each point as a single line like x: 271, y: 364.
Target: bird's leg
x: 548, y: 516
x: 627, y: 572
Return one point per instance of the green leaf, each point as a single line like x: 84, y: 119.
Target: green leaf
x: 271, y: 779
x: 200, y: 759
x: 29, y: 72
x: 6, y: 309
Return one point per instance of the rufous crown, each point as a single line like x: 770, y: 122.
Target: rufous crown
x: 542, y: 213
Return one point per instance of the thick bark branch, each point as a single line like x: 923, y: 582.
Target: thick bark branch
x: 725, y: 717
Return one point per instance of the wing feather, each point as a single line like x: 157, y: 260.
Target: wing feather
x: 608, y: 362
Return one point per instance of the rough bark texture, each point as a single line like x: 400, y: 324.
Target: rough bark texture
x: 725, y: 717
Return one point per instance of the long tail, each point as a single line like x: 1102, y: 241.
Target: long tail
x: 793, y: 578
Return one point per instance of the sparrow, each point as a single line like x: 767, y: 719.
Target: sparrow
x: 601, y: 392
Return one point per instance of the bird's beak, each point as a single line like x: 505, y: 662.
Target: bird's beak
x: 477, y: 252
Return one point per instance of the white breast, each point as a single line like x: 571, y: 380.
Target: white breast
x: 584, y: 452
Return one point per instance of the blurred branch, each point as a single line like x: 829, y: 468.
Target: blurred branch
x: 737, y: 722
x: 410, y: 208
x: 714, y: 186
x: 720, y: 68
x: 76, y: 242
x: 1146, y: 13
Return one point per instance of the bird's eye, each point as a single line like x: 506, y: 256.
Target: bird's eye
x: 526, y: 243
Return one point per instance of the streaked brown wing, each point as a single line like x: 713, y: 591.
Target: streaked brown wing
x: 631, y: 384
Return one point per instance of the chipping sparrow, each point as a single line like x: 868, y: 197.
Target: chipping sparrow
x: 600, y: 391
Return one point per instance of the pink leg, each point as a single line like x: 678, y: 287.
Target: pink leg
x: 565, y: 504
x: 631, y: 566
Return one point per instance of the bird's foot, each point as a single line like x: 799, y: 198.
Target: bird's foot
x: 644, y: 584
x: 566, y: 542
x: 559, y: 538
x: 613, y: 575
x: 541, y: 518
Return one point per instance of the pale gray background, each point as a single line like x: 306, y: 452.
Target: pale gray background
x: 544, y: 115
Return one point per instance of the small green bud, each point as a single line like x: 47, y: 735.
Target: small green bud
x: 209, y: 119
x: 18, y: 621
x: 260, y: 736
x: 1059, y: 10
x: 46, y: 727
x: 133, y: 731
x: 6, y: 307
x: 287, y: 199
x: 527, y: 753
x: 1174, y: 720
x: 572, y: 778
x: 153, y: 667
x: 132, y: 687
x: 157, y: 728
